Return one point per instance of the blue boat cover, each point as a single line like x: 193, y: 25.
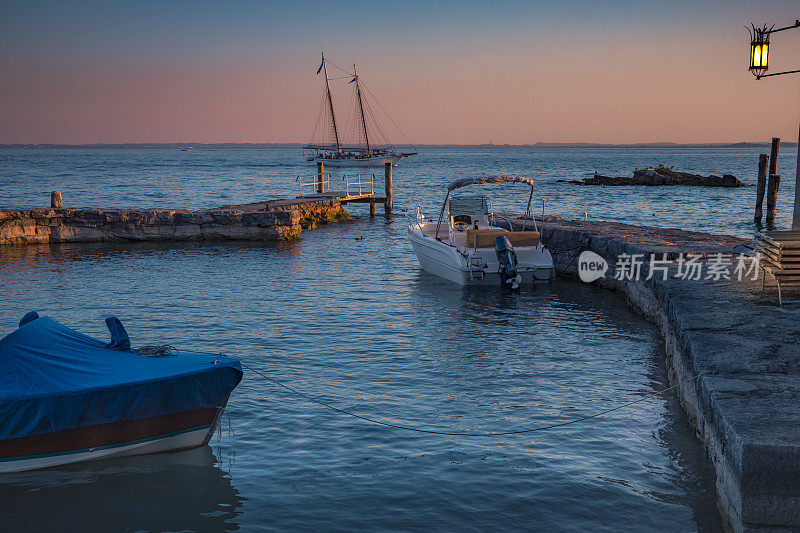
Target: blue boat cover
x: 54, y: 378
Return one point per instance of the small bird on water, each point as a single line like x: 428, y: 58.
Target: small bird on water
x: 360, y: 238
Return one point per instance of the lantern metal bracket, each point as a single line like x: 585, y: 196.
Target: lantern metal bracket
x: 777, y: 74
x: 764, y: 33
x: 793, y: 26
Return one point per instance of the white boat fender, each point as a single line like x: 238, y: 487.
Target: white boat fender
x: 507, y: 258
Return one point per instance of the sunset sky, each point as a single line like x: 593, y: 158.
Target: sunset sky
x: 449, y: 72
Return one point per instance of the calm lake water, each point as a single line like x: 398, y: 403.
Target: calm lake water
x: 354, y: 322
x: 211, y: 178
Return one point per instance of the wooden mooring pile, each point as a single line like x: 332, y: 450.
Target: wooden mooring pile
x: 770, y: 185
x: 769, y: 182
x: 779, y: 250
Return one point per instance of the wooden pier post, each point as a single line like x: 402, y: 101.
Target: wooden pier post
x: 55, y: 200
x: 773, y: 155
x: 796, y: 213
x: 389, y: 201
x: 371, y: 207
x: 761, y: 185
x: 320, y: 177
x: 772, y: 196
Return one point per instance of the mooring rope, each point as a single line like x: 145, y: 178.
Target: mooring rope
x: 572, y: 261
x: 580, y: 247
x: 161, y: 350
x: 460, y: 434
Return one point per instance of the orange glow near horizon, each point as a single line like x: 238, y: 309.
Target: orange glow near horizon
x: 512, y: 86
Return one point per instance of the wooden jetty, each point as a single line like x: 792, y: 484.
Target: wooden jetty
x: 363, y: 190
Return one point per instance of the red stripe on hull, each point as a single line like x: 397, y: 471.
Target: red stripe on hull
x: 106, y: 434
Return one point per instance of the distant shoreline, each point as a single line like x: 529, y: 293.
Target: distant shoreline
x: 299, y: 146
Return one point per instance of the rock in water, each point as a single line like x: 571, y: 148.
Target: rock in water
x: 665, y: 176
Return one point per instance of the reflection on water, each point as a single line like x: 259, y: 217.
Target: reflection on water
x: 180, y: 491
x: 355, y: 323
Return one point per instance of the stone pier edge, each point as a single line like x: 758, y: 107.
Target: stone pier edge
x: 757, y: 476
x: 277, y: 220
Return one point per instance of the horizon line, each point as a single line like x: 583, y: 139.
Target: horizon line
x: 270, y: 144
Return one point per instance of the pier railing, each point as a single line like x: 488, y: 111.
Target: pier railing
x: 311, y: 184
x: 359, y: 184
x: 354, y: 184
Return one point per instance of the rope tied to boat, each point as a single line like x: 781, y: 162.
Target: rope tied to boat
x: 161, y: 350
x: 465, y: 434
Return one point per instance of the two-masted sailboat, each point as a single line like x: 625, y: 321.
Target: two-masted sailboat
x: 364, y: 153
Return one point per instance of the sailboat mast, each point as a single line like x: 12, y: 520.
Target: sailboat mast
x: 330, y: 104
x: 361, y: 108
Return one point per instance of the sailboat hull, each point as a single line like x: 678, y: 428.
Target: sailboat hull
x: 360, y: 162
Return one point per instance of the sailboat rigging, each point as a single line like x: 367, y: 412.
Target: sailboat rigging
x: 363, y: 154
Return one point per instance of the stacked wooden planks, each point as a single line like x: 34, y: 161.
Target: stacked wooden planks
x: 780, y: 256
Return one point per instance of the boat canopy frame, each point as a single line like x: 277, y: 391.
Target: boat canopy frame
x: 481, y: 180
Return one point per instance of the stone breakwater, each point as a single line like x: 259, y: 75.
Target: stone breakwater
x: 745, y: 407
x: 278, y: 220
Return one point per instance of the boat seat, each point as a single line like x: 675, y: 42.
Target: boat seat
x: 483, y: 238
x: 523, y: 238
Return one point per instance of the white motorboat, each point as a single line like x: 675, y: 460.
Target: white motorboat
x: 475, y: 246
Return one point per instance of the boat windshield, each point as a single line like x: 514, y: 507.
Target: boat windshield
x: 468, y: 205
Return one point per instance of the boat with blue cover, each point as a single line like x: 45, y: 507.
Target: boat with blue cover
x: 66, y: 397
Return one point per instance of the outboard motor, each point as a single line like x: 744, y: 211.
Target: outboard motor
x: 507, y: 258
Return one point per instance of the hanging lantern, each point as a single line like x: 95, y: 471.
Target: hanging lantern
x: 759, y: 51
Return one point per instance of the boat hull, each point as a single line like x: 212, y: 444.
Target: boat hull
x: 161, y: 433
x: 446, y: 262
x: 365, y: 162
